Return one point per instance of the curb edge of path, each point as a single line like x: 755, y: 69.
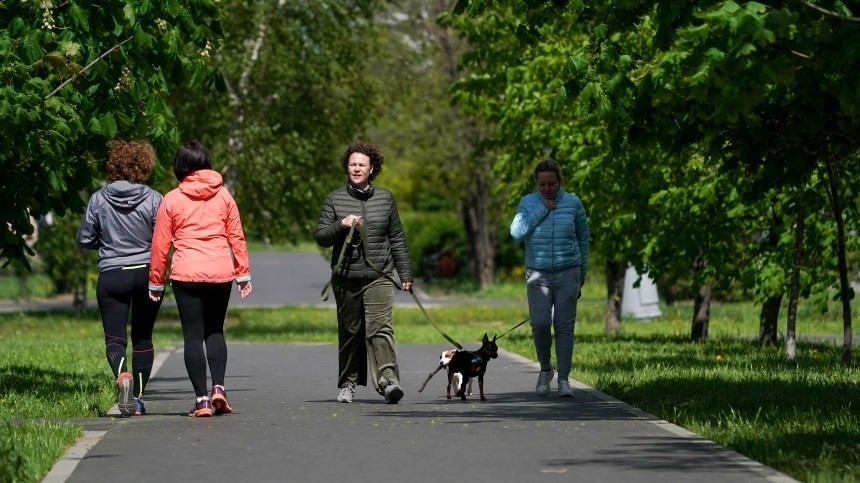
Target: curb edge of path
x: 731, y: 455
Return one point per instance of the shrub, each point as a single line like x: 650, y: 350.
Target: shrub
x: 429, y: 234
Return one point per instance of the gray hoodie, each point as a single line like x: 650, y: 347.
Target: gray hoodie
x: 119, y: 222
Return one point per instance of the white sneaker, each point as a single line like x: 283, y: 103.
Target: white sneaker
x: 544, y: 378
x: 346, y: 394
x: 564, y: 389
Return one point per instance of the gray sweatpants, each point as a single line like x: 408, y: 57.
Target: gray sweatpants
x: 552, y: 304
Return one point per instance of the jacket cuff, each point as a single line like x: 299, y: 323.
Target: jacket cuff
x: 246, y: 278
x: 156, y: 288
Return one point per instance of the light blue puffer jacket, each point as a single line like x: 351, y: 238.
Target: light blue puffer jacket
x: 556, y: 239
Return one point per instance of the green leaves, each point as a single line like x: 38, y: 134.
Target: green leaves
x: 70, y: 84
x: 715, y: 113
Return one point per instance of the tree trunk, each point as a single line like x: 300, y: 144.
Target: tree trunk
x: 614, y: 292
x: 236, y: 141
x: 844, y: 293
x: 79, y: 299
x: 702, y: 313
x: 769, y: 317
x: 768, y: 321
x: 794, y: 289
x: 479, y: 209
x: 480, y: 224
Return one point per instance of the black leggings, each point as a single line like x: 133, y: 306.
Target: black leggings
x: 202, y: 309
x: 120, y: 291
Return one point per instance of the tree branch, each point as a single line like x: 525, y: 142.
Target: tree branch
x: 829, y: 13
x: 70, y: 79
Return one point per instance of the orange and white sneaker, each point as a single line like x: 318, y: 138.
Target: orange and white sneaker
x: 201, y: 409
x: 219, y: 400
x: 125, y: 399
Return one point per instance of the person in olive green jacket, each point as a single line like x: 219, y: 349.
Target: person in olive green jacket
x: 363, y: 282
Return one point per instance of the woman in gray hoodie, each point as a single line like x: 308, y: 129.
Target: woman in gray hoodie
x: 119, y: 222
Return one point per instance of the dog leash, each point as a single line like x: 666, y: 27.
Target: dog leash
x: 397, y: 285
x: 511, y: 329
x: 327, y: 289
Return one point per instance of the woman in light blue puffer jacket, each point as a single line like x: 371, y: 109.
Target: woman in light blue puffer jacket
x: 553, y: 224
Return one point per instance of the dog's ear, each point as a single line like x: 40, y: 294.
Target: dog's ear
x: 485, y: 339
x: 494, y: 337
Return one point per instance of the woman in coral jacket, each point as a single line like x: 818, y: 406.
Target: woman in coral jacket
x: 200, y: 219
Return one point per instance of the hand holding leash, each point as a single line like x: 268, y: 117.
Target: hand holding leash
x: 350, y: 221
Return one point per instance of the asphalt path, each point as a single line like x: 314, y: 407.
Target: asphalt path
x: 287, y: 426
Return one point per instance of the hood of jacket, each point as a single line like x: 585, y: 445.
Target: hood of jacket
x: 202, y: 184
x: 122, y: 194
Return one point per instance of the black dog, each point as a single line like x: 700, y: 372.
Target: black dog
x: 467, y: 364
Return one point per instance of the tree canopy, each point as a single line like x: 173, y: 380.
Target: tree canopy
x: 75, y: 75
x: 726, y: 117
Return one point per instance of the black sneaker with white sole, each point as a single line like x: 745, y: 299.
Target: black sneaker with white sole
x: 392, y: 393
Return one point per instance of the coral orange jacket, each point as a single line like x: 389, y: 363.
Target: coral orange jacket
x: 201, y: 220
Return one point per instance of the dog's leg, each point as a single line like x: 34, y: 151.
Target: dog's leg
x: 462, y: 391
x: 428, y: 377
x: 469, y: 392
x: 481, y: 386
x: 457, y: 381
x: 450, y: 380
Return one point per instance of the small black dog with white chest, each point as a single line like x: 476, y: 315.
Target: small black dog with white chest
x: 468, y: 364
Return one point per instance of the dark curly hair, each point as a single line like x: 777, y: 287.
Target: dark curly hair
x: 370, y: 150
x: 131, y: 161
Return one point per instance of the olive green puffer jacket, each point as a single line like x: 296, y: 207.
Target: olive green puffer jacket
x: 386, y: 242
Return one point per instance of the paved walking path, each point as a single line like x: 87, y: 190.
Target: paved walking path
x: 286, y: 426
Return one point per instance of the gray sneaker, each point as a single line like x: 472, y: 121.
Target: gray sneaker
x: 542, y: 386
x: 346, y: 394
x: 392, y: 393
x: 564, y: 389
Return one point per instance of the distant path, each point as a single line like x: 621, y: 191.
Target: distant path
x: 279, y: 278
x: 292, y: 278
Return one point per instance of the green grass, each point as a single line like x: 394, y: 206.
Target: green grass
x: 30, y: 286
x: 800, y: 417
x: 52, y: 366
x: 27, y: 451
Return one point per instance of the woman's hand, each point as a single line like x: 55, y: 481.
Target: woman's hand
x: 350, y: 220
x: 244, y: 288
x: 407, y: 286
x: 156, y: 295
x: 549, y: 204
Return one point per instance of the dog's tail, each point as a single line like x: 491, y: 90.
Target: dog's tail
x: 428, y: 379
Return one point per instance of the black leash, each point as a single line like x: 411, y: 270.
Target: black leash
x: 511, y: 329
x: 327, y: 289
x: 397, y: 285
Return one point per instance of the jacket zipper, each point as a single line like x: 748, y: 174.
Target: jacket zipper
x: 364, y: 242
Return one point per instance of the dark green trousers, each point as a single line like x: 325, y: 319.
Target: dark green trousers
x: 365, y: 332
